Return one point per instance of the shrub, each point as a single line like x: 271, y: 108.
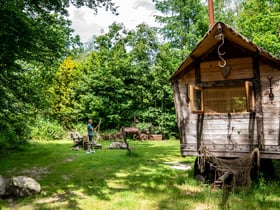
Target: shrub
x: 10, y: 139
x: 47, y: 130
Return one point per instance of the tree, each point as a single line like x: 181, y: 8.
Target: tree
x: 62, y: 92
x: 184, y: 22
x: 144, y: 47
x: 166, y: 62
x: 259, y: 21
x: 227, y: 11
x: 127, y: 73
x: 30, y: 53
x: 102, y: 91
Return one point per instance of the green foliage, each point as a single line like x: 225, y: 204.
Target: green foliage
x: 30, y: 53
x: 126, y: 74
x: 47, y: 130
x: 14, y: 132
x: 184, y: 22
x: 121, y: 73
x: 81, y: 128
x: 62, y: 93
x: 227, y: 11
x: 259, y: 21
x: 16, y: 111
x: 101, y: 88
x: 24, y: 35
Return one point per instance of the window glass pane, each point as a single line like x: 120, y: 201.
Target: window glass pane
x: 250, y: 96
x: 197, y: 99
x: 225, y: 99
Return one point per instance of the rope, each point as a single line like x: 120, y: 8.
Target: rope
x: 240, y: 168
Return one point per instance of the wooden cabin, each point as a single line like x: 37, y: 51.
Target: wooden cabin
x: 227, y: 97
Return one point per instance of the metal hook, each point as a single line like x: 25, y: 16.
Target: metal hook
x: 271, y: 95
x: 220, y: 53
x: 224, y: 64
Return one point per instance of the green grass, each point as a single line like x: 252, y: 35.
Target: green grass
x: 113, y: 180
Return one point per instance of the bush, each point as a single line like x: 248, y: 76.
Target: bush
x: 47, y: 130
x: 276, y: 164
x: 81, y: 128
x: 10, y: 140
x: 14, y: 132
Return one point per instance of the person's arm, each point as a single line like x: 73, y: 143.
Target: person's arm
x: 95, y: 128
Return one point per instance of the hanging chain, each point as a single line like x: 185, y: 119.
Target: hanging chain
x: 221, y: 35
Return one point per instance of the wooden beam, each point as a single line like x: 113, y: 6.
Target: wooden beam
x: 182, y: 73
x: 179, y: 105
x: 199, y: 129
x: 197, y: 72
x: 224, y: 83
x: 251, y: 127
x: 259, y: 111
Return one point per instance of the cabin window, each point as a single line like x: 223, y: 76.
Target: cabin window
x: 196, y: 99
x: 227, y: 99
x: 250, y: 95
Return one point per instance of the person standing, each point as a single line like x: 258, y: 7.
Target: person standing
x: 90, y: 130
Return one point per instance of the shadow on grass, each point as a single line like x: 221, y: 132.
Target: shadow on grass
x: 67, y: 177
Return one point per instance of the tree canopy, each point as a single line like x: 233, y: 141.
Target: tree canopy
x: 260, y: 21
x: 34, y: 38
x: 46, y: 73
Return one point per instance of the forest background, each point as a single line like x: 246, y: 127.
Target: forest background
x: 51, y: 83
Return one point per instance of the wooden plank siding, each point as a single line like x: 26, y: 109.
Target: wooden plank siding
x: 228, y: 134
x: 182, y: 107
x: 240, y: 68
x: 217, y: 129
x: 235, y: 134
x: 271, y: 109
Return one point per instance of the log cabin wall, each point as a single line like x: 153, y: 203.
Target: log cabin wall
x: 271, y: 109
x: 225, y: 134
x: 225, y: 129
x: 183, y: 110
x: 240, y: 68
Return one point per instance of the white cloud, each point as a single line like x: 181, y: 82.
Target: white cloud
x: 131, y: 14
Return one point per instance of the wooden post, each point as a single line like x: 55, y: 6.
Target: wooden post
x: 197, y: 72
x: 199, y: 129
x: 125, y: 141
x: 211, y: 13
x: 223, y: 178
x: 252, y: 127
x: 259, y: 111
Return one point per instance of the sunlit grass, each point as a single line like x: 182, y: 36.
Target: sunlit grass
x: 111, y: 179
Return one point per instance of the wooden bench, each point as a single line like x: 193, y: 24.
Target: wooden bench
x: 88, y: 144
x: 77, y: 138
x: 83, y: 141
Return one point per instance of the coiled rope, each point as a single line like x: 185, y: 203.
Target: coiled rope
x: 240, y: 168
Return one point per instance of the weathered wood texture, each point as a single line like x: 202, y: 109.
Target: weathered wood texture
x: 271, y: 108
x: 240, y: 68
x: 234, y: 134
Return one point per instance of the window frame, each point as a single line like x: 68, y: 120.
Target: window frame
x: 250, y: 96
x: 194, y: 89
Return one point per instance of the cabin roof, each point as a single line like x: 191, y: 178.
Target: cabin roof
x: 210, y: 41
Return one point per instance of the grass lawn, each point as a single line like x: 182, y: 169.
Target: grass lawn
x: 112, y: 180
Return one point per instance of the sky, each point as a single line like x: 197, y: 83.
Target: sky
x: 131, y: 14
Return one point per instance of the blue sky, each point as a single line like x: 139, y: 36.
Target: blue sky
x: 131, y: 14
